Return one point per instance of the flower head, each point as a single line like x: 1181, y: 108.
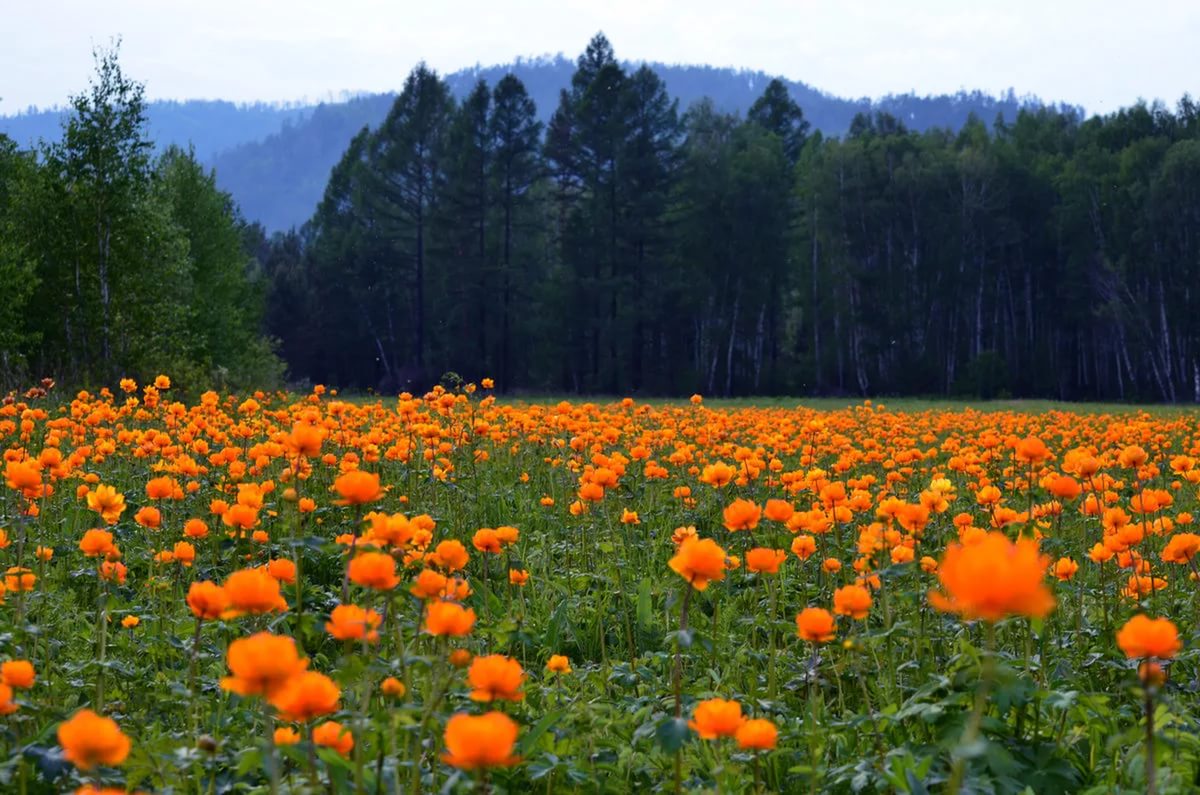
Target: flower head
x: 448, y: 618
x: 351, y: 622
x: 757, y: 734
x: 495, y: 676
x: 717, y: 717
x: 815, y: 625
x: 853, y: 601
x: 261, y: 664
x: 992, y: 578
x: 699, y: 561
x: 306, y: 696
x: 374, y: 570
x: 1149, y: 637
x: 357, y: 487
x: 88, y: 739
x: 474, y: 743
x: 254, y: 591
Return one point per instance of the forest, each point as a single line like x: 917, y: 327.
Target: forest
x: 625, y: 245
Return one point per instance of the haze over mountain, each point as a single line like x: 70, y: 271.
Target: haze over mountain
x: 275, y: 158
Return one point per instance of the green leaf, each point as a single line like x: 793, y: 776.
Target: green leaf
x: 645, y: 605
x: 671, y: 734
x: 530, y: 738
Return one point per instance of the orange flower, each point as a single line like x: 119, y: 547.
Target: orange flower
x: 108, y: 502
x: 804, y: 546
x: 17, y: 674
x: 518, y: 577
x: 25, y: 477
x: 113, y: 571
x: 160, y: 488
x: 17, y: 578
x: 699, y: 561
x: 778, y: 510
x: 559, y: 664
x: 331, y: 734
x: 305, y: 439
x: 88, y: 739
x: 1032, y: 450
x: 1149, y: 637
x: 766, y: 561
x: 374, y: 570
x: 718, y: 475
x: 853, y: 601
x: 306, y: 696
x: 254, y: 591
x: 448, y: 618
x: 1100, y: 554
x: 1064, y: 487
x: 496, y: 677
x: 757, y: 734
x: 1065, y: 568
x: 474, y: 743
x: 486, y: 540
x: 283, y: 570
x: 240, y: 516
x: 207, y: 600
x: 717, y: 717
x: 741, y: 515
x: 195, y: 528
x: 351, y: 622
x: 815, y: 625
x: 1132, y: 457
x: 96, y: 542
x: 993, y: 578
x: 429, y: 584
x: 1181, y: 548
x: 261, y: 664
x: 184, y: 553
x: 450, y: 555
x: 357, y: 487
x: 286, y: 735
x: 393, y: 687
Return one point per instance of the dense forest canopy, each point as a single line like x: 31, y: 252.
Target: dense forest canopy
x: 629, y: 245
x: 275, y: 160
x: 620, y: 242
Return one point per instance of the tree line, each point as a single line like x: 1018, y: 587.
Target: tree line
x: 116, y: 262
x: 622, y: 246
x: 629, y: 246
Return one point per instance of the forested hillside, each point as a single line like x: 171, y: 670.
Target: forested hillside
x: 275, y: 160
x: 630, y: 245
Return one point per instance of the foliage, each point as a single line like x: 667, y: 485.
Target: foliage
x: 141, y: 258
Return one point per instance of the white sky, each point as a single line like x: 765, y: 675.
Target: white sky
x: 1100, y: 54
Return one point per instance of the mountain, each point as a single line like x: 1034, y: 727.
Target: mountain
x: 211, y: 126
x: 275, y: 159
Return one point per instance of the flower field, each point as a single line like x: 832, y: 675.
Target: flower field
x: 450, y: 593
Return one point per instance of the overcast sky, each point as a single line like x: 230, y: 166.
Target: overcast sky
x: 1098, y: 54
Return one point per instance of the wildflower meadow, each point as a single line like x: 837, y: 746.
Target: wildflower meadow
x: 450, y: 592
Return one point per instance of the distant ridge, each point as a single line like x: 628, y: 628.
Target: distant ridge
x: 275, y: 158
